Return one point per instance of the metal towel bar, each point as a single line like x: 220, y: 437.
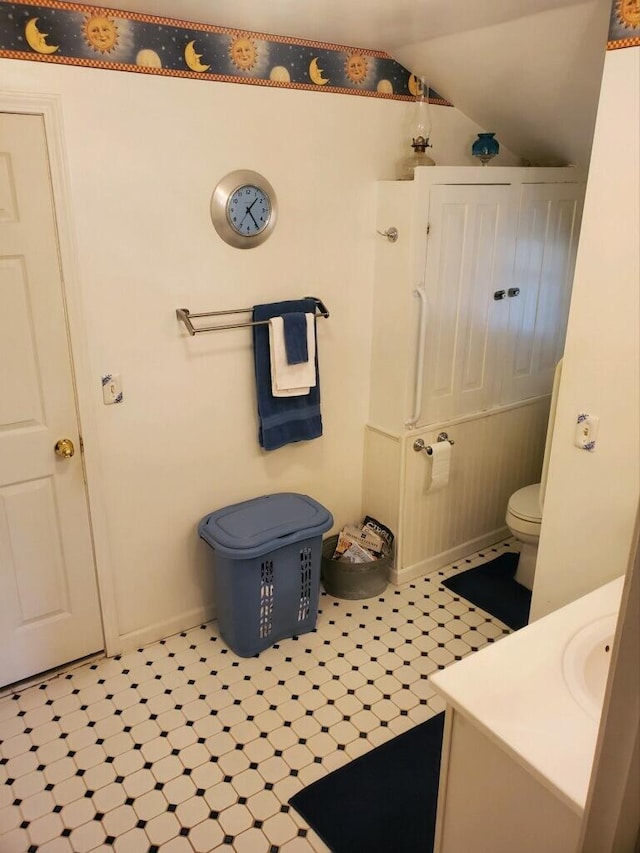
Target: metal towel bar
x: 186, y: 317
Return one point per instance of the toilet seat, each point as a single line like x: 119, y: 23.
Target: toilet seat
x: 524, y: 520
x: 525, y: 504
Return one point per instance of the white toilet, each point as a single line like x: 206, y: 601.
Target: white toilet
x: 524, y: 510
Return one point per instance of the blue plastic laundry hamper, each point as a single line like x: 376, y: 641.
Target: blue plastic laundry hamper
x: 266, y: 562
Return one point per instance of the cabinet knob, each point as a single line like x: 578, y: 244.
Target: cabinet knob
x: 499, y: 294
x: 514, y: 291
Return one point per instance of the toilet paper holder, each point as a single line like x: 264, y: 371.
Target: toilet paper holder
x: 419, y: 444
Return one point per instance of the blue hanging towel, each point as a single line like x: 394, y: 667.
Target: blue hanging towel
x: 295, y: 337
x: 283, y: 420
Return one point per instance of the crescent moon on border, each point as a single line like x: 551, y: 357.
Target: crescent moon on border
x: 415, y: 85
x: 316, y: 73
x: 37, y: 40
x: 193, y: 59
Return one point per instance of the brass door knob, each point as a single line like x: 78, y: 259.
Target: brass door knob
x: 64, y: 448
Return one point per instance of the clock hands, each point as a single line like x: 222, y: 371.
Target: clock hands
x: 248, y: 213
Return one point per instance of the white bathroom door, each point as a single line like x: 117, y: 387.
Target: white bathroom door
x: 49, y: 607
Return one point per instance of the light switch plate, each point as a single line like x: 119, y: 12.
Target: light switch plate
x: 111, y: 388
x: 587, y: 431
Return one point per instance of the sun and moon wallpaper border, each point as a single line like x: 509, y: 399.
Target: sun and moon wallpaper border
x: 99, y: 37
x: 624, y: 24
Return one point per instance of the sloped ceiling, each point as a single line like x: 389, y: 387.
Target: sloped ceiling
x: 527, y: 69
x: 535, y: 80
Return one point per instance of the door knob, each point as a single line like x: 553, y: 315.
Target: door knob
x: 64, y: 448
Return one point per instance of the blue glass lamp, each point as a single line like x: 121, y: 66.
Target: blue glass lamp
x: 485, y: 147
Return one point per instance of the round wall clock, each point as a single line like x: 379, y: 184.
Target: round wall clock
x: 244, y: 209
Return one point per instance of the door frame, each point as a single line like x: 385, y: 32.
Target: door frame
x: 50, y: 108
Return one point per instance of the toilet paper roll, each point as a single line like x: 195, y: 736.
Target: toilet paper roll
x: 440, y: 465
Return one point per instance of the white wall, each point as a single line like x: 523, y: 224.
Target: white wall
x: 533, y: 78
x: 144, y: 154
x: 592, y: 498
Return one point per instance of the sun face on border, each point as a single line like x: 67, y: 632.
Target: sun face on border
x: 243, y: 53
x: 356, y: 67
x: 628, y: 13
x: 101, y: 33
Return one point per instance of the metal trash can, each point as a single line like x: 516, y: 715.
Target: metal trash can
x: 353, y: 580
x: 266, y: 563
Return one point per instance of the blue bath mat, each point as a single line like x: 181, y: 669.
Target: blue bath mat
x: 493, y: 587
x: 384, y: 801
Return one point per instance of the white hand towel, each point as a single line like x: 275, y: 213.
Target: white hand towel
x: 291, y: 380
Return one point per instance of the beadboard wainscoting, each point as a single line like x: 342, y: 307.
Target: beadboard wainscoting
x: 495, y: 453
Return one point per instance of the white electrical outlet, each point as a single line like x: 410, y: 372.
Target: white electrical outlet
x: 111, y: 388
x: 587, y: 431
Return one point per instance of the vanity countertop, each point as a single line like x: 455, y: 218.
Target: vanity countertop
x: 515, y: 692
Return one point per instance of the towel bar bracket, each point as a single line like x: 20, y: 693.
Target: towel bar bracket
x: 390, y: 233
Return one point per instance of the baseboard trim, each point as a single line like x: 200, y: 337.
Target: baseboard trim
x: 160, y: 630
x: 424, y: 567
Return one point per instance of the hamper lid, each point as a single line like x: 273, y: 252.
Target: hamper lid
x: 257, y: 526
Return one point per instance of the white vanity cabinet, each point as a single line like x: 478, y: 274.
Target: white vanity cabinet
x: 488, y: 803
x: 471, y: 302
x: 521, y: 729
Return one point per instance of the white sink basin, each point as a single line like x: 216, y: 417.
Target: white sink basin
x: 585, y: 663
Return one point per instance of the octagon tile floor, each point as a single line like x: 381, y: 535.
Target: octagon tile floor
x: 183, y: 747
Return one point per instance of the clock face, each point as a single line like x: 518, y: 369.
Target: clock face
x: 248, y: 210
